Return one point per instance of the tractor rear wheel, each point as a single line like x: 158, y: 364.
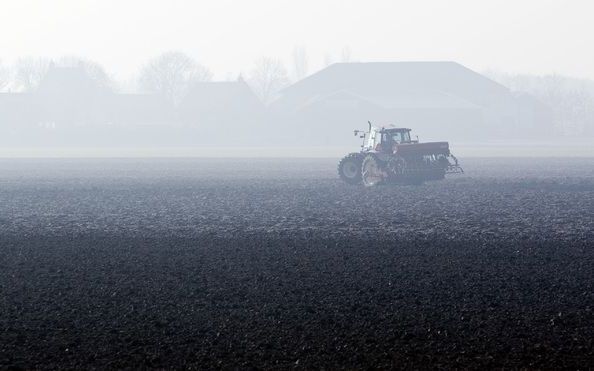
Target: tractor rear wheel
x: 349, y: 168
x: 371, y: 171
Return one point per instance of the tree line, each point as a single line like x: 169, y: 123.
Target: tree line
x: 170, y: 74
x: 570, y: 100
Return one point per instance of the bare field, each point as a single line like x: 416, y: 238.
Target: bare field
x: 267, y: 263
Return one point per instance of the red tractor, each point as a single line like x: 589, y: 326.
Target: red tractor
x: 388, y: 155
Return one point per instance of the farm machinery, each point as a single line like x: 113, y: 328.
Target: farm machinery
x: 389, y: 155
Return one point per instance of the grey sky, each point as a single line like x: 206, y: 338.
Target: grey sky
x: 227, y: 36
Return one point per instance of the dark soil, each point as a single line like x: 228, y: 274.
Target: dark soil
x: 277, y: 264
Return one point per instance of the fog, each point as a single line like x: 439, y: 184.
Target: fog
x: 281, y: 78
x: 274, y: 184
x: 540, y: 37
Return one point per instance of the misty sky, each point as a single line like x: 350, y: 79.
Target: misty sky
x: 227, y: 36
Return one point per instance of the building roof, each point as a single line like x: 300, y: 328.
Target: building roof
x: 401, y: 83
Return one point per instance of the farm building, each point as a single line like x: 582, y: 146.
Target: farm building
x: 437, y: 99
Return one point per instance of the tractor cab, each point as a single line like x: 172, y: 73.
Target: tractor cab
x: 383, y: 140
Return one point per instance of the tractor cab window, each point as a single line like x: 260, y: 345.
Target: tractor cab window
x: 401, y: 136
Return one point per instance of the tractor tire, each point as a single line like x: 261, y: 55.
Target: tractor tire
x: 372, y: 173
x: 349, y: 168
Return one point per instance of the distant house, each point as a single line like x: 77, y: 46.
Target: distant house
x: 67, y: 96
x: 439, y: 100
x: 225, y: 112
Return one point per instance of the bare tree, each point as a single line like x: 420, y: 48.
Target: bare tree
x: 4, y: 76
x: 172, y: 74
x: 29, y: 72
x: 268, y: 77
x: 300, y: 63
x: 570, y: 100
